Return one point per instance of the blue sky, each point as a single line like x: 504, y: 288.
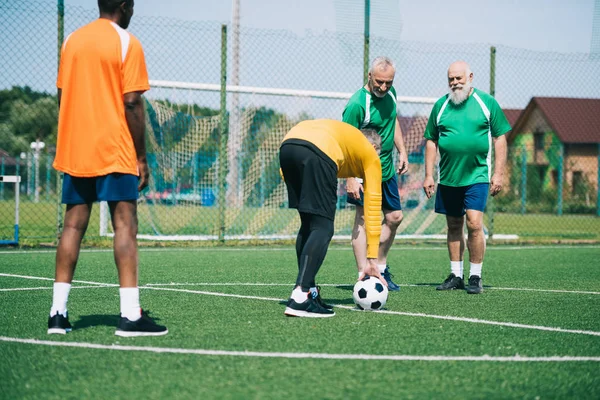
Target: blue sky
x: 543, y: 25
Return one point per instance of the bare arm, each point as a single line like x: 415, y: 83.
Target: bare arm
x: 134, y: 113
x: 499, y: 164
x: 59, y: 96
x: 402, y: 155
x: 430, y: 155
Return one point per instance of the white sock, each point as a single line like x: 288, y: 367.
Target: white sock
x: 60, y: 295
x: 456, y: 267
x: 475, y: 270
x: 314, y: 292
x: 298, y: 295
x: 381, y: 268
x: 130, y: 303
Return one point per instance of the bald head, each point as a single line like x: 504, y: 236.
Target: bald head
x: 459, y: 81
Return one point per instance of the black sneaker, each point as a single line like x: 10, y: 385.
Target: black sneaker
x: 320, y: 301
x: 144, y: 326
x: 58, y: 324
x: 452, y: 282
x: 475, y: 285
x: 392, y: 287
x: 308, y: 308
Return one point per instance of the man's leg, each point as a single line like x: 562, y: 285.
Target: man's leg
x: 77, y: 217
x: 455, y: 241
x: 316, y: 233
x: 476, y: 246
x: 391, y: 222
x: 125, y: 224
x: 359, y: 239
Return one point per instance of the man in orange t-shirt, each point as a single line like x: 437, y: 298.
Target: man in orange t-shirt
x: 101, y: 150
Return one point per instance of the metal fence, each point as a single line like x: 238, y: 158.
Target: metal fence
x: 199, y: 190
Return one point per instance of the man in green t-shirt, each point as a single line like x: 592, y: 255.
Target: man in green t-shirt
x: 465, y: 125
x: 374, y: 107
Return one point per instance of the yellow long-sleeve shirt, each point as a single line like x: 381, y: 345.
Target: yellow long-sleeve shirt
x: 354, y: 156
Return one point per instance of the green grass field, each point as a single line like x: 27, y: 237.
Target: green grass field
x: 533, y: 333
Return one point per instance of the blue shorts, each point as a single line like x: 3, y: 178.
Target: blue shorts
x: 112, y: 187
x: 390, y: 198
x: 455, y: 201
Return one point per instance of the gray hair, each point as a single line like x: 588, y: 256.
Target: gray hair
x: 373, y: 138
x: 382, y: 61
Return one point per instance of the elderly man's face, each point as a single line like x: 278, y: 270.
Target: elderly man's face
x: 457, y: 78
x: 381, y: 80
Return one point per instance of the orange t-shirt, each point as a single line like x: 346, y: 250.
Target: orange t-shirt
x: 100, y: 62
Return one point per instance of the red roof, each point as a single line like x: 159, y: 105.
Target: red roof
x: 512, y: 115
x: 573, y: 120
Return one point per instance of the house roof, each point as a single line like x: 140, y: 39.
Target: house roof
x: 512, y: 115
x: 573, y: 120
x: 412, y: 132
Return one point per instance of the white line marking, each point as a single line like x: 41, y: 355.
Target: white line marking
x: 409, y: 314
x: 40, y: 278
x: 170, y: 350
x: 349, y: 284
x: 292, y: 249
x: 50, y: 288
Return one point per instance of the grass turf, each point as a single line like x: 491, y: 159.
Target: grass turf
x: 199, y: 316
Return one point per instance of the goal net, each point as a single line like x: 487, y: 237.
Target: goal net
x: 183, y: 138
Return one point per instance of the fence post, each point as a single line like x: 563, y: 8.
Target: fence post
x: 523, y: 179
x: 59, y: 39
x: 598, y: 183
x: 490, y: 207
x: 2, y: 173
x: 366, y: 41
x: 561, y: 153
x: 222, y: 171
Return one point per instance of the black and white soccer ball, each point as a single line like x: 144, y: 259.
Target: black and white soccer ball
x: 370, y: 294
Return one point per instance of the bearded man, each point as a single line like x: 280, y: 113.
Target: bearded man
x: 465, y: 125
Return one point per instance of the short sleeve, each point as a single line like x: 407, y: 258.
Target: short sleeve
x: 498, y: 122
x: 135, y: 74
x: 353, y: 114
x: 431, y: 130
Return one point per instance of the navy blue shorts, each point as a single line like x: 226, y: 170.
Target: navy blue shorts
x: 390, y: 198
x: 112, y: 187
x: 455, y: 201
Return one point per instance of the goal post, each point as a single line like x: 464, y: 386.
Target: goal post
x: 182, y: 140
x: 14, y: 241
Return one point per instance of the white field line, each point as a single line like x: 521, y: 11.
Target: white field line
x: 39, y: 278
x: 409, y: 314
x: 350, y: 284
x: 150, y: 285
x: 326, y: 356
x: 50, y: 288
x: 292, y: 249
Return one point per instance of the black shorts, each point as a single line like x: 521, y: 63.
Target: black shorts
x: 310, y: 177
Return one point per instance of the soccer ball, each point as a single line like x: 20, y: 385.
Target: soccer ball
x: 370, y: 294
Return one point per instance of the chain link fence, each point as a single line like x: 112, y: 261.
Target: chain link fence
x: 203, y: 187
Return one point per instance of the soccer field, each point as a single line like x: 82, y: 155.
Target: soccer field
x: 533, y: 333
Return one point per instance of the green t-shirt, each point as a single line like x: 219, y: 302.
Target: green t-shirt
x: 368, y: 111
x: 464, y: 134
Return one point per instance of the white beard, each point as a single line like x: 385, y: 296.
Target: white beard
x: 460, y: 95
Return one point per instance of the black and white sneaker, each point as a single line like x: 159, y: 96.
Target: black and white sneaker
x: 309, y: 308
x: 319, y: 300
x: 58, y: 324
x: 144, y: 326
x: 452, y: 282
x: 475, y: 285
